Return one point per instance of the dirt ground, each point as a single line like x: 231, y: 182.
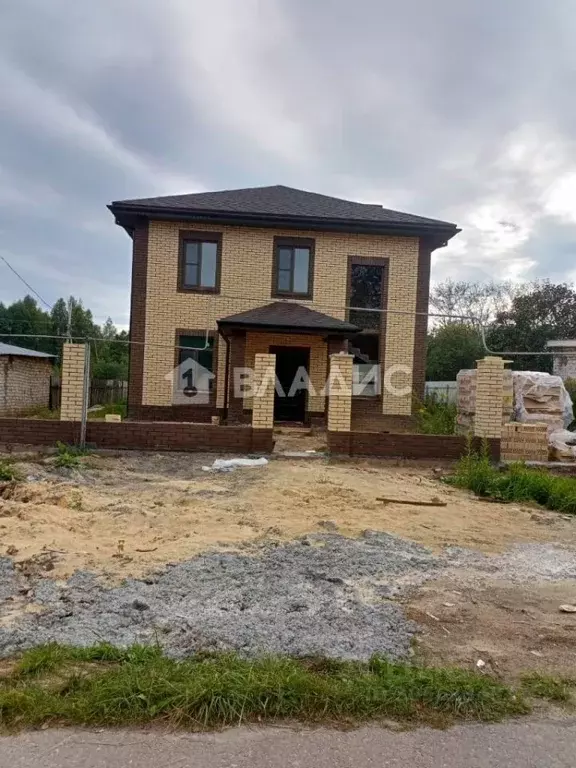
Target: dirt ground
x: 511, y: 628
x: 126, y: 514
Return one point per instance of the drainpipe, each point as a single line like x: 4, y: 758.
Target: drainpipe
x: 226, y: 378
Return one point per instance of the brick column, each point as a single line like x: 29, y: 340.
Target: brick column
x: 340, y: 393
x: 264, y: 383
x: 489, y: 397
x: 72, y: 381
x: 237, y: 360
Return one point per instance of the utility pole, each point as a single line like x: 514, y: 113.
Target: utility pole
x: 69, y: 323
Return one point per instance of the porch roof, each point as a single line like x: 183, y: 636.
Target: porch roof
x: 287, y: 317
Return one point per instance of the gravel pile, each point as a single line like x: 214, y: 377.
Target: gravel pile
x: 321, y: 595
x: 303, y: 598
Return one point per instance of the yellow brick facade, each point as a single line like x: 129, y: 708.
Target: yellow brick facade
x: 246, y: 283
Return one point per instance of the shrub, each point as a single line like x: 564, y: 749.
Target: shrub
x: 436, y: 417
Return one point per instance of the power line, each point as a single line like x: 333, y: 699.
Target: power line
x: 19, y: 276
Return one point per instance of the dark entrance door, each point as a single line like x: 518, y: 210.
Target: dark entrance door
x: 289, y: 361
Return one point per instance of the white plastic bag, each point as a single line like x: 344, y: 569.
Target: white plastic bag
x: 229, y: 465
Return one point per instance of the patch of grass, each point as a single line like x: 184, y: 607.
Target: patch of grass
x: 116, y: 408
x: 557, y: 689
x: 68, y: 456
x: 40, y: 412
x: 517, y: 483
x: 53, y: 656
x: 436, y: 417
x: 8, y: 472
x: 104, y: 685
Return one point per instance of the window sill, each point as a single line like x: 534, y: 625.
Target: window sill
x: 188, y: 289
x: 288, y: 295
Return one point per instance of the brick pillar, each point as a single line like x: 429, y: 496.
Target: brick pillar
x: 264, y: 383
x: 340, y: 393
x: 72, y: 381
x: 489, y: 397
x: 237, y: 360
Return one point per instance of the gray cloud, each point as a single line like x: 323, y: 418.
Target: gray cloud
x: 456, y: 110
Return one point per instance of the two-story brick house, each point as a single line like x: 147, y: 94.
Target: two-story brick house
x: 218, y: 277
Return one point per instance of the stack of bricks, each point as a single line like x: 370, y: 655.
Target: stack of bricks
x: 524, y: 442
x: 73, y: 362
x: 340, y: 393
x: 489, y: 397
x: 264, y: 386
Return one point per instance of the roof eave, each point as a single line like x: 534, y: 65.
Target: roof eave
x: 127, y: 215
x: 224, y: 325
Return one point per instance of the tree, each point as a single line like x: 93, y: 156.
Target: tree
x: 110, y: 360
x: 451, y: 348
x: 545, y: 312
x: 462, y: 299
x: 25, y: 324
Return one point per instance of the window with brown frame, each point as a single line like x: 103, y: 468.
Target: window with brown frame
x: 293, y: 270
x: 200, y: 260
x: 195, y: 357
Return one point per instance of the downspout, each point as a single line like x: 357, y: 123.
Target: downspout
x: 226, y: 378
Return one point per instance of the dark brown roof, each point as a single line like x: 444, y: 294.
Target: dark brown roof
x: 276, y: 203
x: 289, y: 316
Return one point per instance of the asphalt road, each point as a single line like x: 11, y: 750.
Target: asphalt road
x: 522, y: 744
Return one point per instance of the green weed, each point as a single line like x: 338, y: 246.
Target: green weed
x: 546, y: 687
x: 517, y: 483
x: 68, y: 456
x: 436, y: 417
x: 7, y: 472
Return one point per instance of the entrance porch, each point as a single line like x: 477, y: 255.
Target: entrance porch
x: 302, y: 341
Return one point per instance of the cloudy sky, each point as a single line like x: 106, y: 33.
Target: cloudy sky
x: 460, y: 110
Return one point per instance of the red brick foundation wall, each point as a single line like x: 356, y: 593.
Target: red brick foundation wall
x: 188, y: 413
x: 408, y: 446
x: 139, y: 435
x: 367, y: 416
x: 38, y: 431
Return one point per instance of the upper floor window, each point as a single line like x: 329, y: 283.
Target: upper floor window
x: 366, y: 291
x: 293, y: 268
x: 200, y: 258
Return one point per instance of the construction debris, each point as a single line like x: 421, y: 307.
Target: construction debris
x: 417, y: 502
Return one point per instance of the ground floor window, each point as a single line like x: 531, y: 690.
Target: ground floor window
x: 195, y: 363
x: 366, y: 372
